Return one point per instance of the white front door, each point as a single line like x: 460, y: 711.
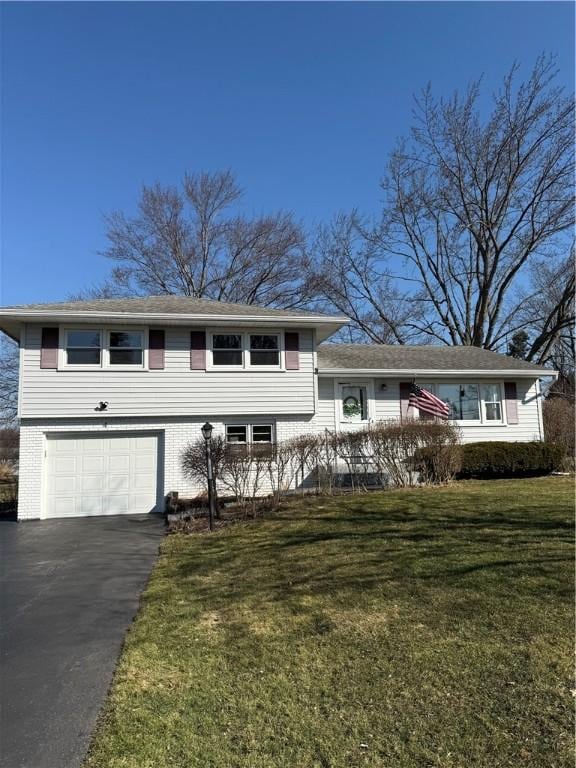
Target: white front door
x: 96, y: 474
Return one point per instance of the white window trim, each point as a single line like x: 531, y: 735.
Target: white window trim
x: 105, y: 365
x: 482, y: 421
x: 245, y: 338
x: 370, y: 405
x: 126, y: 366
x: 209, y: 352
x: 249, y: 427
x: 280, y: 338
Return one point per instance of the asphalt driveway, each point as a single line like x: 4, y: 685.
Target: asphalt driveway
x: 69, y: 590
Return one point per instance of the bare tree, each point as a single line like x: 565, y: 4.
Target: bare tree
x: 477, y: 213
x: 9, y: 367
x: 473, y: 204
x: 351, y: 274
x: 549, y: 312
x: 193, y: 241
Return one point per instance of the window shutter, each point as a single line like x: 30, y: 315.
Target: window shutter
x: 156, y: 347
x: 49, y: 349
x: 511, y: 398
x: 198, y: 350
x: 292, y: 351
x: 405, y: 387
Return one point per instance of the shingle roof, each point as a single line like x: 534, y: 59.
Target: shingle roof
x: 163, y: 305
x: 417, y: 358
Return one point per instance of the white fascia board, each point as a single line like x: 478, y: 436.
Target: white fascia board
x: 168, y: 317
x: 509, y: 373
x: 325, y: 324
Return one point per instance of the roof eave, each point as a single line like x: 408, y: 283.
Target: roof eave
x: 537, y: 373
x: 326, y: 325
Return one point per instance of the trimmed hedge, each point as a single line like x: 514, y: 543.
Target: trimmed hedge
x: 499, y: 459
x: 438, y: 463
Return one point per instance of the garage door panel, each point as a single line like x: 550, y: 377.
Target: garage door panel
x: 144, y: 482
x: 91, y: 483
x: 144, y: 463
x: 138, y: 500
x: 64, y: 506
x: 61, y: 446
x: 92, y: 464
x: 62, y: 484
x: 115, y: 475
x: 90, y: 505
x: 120, y: 445
x: 65, y: 465
x: 93, y: 445
x: 121, y: 464
x: 119, y: 483
x: 117, y: 505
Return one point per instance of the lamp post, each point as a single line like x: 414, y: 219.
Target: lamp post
x: 207, y: 435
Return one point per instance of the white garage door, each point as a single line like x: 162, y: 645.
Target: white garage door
x: 96, y: 475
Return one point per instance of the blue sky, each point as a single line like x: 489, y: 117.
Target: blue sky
x: 303, y: 101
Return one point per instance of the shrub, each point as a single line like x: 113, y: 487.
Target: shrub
x: 559, y: 418
x: 498, y: 459
x: 236, y: 470
x: 9, y: 443
x: 438, y: 463
x: 395, y: 446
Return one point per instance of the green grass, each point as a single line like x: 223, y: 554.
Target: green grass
x: 418, y: 628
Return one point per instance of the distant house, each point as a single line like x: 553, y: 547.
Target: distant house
x: 112, y: 390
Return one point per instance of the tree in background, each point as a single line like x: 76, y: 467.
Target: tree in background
x: 518, y: 346
x: 351, y: 276
x: 193, y: 242
x: 9, y: 365
x: 476, y: 216
x: 9, y: 432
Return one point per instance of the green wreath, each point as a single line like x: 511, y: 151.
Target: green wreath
x: 351, y: 406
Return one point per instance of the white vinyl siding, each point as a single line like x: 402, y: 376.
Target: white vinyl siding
x: 386, y: 405
x: 174, y: 391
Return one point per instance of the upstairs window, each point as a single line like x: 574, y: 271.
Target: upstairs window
x: 264, y: 349
x: 227, y: 349
x: 83, y: 347
x: 126, y: 348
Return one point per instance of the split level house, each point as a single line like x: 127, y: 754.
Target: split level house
x: 112, y: 390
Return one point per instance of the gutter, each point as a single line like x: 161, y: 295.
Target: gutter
x: 53, y: 317
x: 411, y: 373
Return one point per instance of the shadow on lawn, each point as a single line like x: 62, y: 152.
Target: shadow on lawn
x: 408, y: 550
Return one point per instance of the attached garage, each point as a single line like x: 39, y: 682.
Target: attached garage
x: 96, y: 474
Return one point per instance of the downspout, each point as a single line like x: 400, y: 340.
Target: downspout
x: 539, y: 408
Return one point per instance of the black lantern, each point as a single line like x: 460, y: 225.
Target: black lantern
x: 207, y: 431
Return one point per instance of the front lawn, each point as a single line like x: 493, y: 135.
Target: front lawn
x: 426, y: 628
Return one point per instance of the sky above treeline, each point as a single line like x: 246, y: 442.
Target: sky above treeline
x: 303, y: 101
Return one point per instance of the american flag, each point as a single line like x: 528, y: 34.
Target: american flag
x: 427, y: 402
